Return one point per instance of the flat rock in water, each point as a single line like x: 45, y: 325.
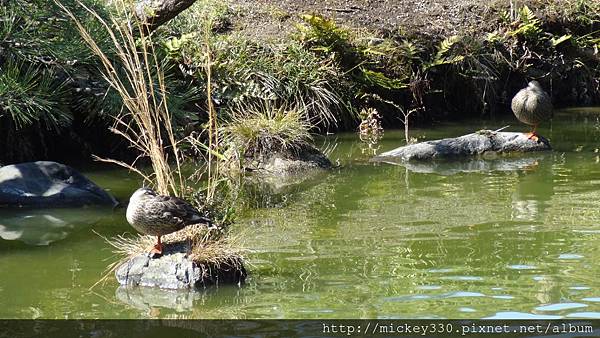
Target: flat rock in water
x: 49, y: 184
x: 176, y: 270
x: 480, y: 143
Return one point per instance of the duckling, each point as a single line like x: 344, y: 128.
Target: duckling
x: 158, y: 215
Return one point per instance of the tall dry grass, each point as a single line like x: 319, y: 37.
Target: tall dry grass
x: 137, y: 76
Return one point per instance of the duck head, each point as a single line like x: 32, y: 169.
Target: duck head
x: 142, y: 193
x: 534, y: 85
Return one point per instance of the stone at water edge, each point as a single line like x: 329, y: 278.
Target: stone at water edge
x: 287, y: 163
x: 49, y: 184
x: 478, y: 143
x: 176, y: 270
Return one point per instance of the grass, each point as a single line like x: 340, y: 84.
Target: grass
x: 210, y: 249
x: 258, y: 72
x: 257, y: 131
x: 137, y: 76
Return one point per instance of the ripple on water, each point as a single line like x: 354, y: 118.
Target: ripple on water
x: 520, y: 315
x: 592, y: 315
x: 522, y: 267
x: 560, y: 306
x: 503, y: 297
x: 462, y: 278
x: 464, y: 294
x: 570, y: 256
x: 591, y: 299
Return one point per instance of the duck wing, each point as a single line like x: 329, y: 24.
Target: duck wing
x: 174, y: 210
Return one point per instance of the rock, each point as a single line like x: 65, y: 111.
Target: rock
x: 175, y: 270
x: 482, y: 143
x: 290, y: 163
x: 49, y: 184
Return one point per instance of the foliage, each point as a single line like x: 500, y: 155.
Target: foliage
x: 256, y: 131
x: 146, y: 124
x: 44, y: 74
x: 529, y: 26
x: 370, y: 130
x: 30, y: 95
x: 249, y: 72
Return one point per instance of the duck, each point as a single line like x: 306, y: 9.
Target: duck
x: 157, y: 215
x: 532, y: 105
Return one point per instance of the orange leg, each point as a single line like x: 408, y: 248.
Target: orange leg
x: 158, y: 247
x: 532, y: 135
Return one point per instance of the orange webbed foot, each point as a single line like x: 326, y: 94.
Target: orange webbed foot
x: 533, y: 136
x: 157, y: 250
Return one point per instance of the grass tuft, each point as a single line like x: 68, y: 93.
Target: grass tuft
x: 208, y: 248
x: 256, y: 131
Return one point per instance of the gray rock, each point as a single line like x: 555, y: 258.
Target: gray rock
x: 49, y: 184
x: 176, y: 270
x: 290, y: 163
x: 484, y: 142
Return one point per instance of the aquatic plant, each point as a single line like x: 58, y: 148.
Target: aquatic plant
x: 260, y: 130
x: 370, y: 130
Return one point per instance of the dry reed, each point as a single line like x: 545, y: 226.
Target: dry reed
x: 146, y: 122
x: 207, y: 247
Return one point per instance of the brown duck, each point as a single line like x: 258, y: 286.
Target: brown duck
x: 157, y: 215
x: 532, y: 105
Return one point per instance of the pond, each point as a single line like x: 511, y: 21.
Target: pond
x: 367, y: 240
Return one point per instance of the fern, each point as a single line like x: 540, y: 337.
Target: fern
x: 444, y: 55
x: 381, y: 80
x: 529, y: 25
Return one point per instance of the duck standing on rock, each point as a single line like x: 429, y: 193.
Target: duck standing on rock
x: 532, y: 105
x: 158, y: 215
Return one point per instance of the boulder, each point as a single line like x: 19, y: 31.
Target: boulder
x: 176, y: 270
x: 481, y: 143
x: 49, y: 184
x: 289, y: 163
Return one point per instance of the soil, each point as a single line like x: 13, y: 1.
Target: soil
x: 271, y: 19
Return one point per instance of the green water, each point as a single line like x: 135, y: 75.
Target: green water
x: 521, y: 240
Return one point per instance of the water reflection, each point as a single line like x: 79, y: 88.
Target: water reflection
x: 481, y: 164
x: 508, y: 239
x: 150, y: 300
x: 44, y: 226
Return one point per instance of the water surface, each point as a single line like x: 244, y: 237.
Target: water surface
x: 516, y: 240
